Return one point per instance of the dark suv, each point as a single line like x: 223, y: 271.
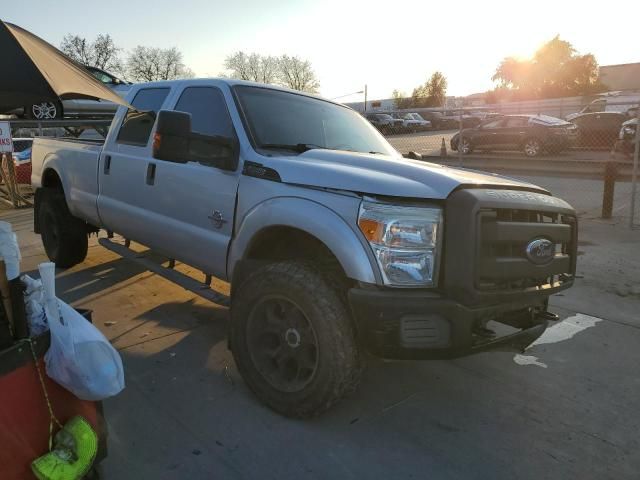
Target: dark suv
x: 532, y: 134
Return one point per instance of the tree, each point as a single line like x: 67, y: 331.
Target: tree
x: 401, y: 101
x: 430, y: 94
x: 101, y: 53
x: 253, y: 67
x: 555, y: 70
x: 297, y: 74
x: 436, y: 89
x: 148, y: 64
x: 287, y: 71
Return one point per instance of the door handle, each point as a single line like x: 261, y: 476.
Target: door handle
x: 107, y: 164
x: 151, y: 174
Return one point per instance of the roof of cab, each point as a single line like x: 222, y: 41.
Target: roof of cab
x: 231, y: 82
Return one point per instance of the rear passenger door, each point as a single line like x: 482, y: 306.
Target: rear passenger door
x: 122, y: 168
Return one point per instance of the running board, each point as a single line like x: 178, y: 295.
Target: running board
x: 180, y: 279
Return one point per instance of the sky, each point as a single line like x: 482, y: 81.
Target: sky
x: 387, y: 45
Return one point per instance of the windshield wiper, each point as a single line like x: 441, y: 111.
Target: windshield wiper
x: 297, y: 147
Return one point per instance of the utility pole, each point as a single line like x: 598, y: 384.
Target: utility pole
x: 634, y: 175
x: 365, y: 97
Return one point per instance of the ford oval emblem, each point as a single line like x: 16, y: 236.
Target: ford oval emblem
x: 540, y: 251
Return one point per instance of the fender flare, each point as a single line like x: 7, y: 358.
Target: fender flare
x: 50, y: 162
x: 313, y: 218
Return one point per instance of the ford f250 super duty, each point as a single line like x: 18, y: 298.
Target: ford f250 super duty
x: 333, y: 242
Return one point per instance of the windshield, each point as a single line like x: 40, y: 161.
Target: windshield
x: 274, y: 117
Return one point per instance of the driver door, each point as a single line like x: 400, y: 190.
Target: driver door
x: 193, y: 203
x: 486, y: 135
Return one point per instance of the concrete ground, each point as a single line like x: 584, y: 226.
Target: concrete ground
x: 566, y: 408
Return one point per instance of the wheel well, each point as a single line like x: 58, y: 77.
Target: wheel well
x: 280, y: 243
x: 50, y: 179
x: 288, y: 243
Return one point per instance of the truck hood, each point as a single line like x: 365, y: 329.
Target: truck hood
x: 383, y: 175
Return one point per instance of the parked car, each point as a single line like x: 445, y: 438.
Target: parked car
x: 385, y: 122
x: 627, y: 136
x: 439, y: 121
x: 484, y: 116
x: 47, y: 110
x: 408, y: 123
x: 332, y: 242
x: 598, y: 129
x: 468, y: 120
x: 422, y: 123
x: 533, y: 134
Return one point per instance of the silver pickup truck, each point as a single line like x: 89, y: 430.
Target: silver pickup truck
x: 334, y: 243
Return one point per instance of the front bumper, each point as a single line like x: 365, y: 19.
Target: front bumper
x: 414, y: 325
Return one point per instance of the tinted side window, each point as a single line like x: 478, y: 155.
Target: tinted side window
x: 137, y: 124
x: 209, y: 114
x: 494, y: 124
x: 516, y: 122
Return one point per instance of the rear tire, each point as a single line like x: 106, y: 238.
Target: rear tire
x: 293, y: 340
x: 64, y: 236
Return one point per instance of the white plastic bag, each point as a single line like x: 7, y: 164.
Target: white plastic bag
x: 9, y: 251
x: 80, y: 358
x: 34, y: 306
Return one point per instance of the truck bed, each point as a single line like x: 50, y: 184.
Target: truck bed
x: 55, y: 159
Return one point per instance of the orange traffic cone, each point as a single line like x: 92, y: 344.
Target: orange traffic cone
x: 443, y: 149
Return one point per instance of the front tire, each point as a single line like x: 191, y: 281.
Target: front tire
x: 64, y: 236
x: 293, y: 340
x: 465, y: 145
x: 532, y: 147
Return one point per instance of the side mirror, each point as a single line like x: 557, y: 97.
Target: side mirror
x: 171, y: 140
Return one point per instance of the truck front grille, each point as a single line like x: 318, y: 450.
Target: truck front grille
x: 487, y: 232
x: 504, y: 233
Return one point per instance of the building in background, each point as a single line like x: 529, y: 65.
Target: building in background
x: 625, y: 76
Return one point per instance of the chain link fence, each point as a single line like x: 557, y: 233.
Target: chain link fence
x: 581, y: 152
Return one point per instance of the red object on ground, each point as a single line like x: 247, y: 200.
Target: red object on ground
x: 24, y: 416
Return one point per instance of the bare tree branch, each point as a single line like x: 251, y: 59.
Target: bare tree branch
x: 101, y: 53
x: 297, y: 74
x: 149, y: 64
x: 252, y: 67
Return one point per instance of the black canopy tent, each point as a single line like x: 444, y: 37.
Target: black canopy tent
x: 35, y: 71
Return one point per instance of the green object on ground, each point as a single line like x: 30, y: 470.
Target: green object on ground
x: 75, y: 449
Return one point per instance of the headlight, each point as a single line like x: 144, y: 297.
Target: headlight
x: 405, y: 241
x: 628, y: 130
